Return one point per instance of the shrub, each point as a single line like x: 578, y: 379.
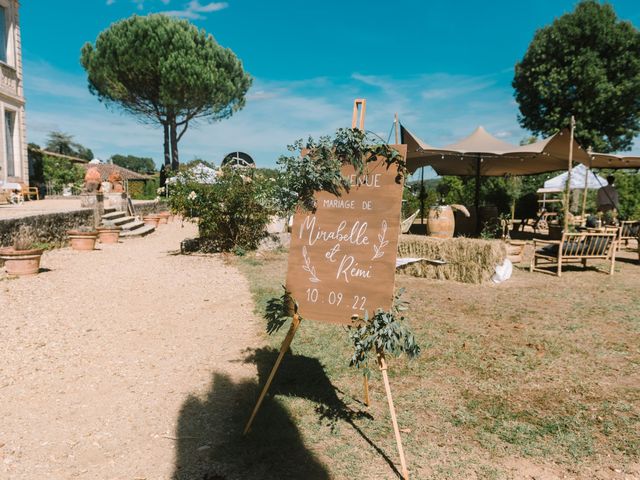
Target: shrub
x: 232, y: 214
x: 60, y: 172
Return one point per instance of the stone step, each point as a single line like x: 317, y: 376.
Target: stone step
x: 123, y: 220
x: 138, y: 232
x: 113, y: 215
x: 132, y: 225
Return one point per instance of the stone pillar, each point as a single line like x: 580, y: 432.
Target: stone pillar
x: 117, y: 200
x: 96, y: 202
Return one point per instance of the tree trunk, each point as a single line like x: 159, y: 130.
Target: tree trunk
x: 167, y: 155
x: 175, y: 159
x: 167, y: 150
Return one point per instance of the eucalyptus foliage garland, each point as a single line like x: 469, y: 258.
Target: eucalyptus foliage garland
x: 384, y: 332
x: 318, y: 167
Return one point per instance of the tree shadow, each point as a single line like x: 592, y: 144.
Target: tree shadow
x: 209, y: 440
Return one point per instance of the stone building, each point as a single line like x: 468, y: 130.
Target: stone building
x: 13, y: 146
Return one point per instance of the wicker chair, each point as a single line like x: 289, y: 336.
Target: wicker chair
x: 27, y: 192
x: 407, y: 222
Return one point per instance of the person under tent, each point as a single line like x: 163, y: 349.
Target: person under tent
x: 607, y: 199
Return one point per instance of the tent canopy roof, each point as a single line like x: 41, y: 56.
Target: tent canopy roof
x: 610, y: 160
x: 487, y: 155
x: 479, y: 141
x: 578, y: 174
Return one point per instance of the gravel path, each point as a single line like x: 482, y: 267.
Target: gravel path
x: 100, y: 351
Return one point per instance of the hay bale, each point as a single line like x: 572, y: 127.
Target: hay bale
x: 469, y: 260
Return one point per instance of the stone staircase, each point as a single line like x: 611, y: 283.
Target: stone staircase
x: 131, y: 226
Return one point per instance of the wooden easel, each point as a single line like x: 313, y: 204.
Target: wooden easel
x: 358, y: 106
x: 283, y: 349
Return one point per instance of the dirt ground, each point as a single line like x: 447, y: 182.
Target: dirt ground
x: 131, y: 362
x: 103, y: 351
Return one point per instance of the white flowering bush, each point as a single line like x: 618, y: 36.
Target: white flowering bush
x: 231, y: 214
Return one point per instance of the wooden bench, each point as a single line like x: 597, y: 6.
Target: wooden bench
x: 574, y: 247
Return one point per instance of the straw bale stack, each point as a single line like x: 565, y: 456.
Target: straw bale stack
x: 468, y: 260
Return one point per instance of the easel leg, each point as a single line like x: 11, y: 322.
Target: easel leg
x: 383, y: 368
x: 366, y: 390
x: 283, y: 349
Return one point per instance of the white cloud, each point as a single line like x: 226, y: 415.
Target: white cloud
x: 194, y: 10
x: 139, y: 3
x: 503, y: 134
x: 276, y: 114
x: 42, y: 78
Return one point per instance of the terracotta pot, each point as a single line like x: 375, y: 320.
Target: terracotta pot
x: 151, y: 219
x: 82, y: 240
x: 109, y: 234
x: 92, y: 176
x: 164, y: 217
x: 441, y: 222
x: 21, y: 262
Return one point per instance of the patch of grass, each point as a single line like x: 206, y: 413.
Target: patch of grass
x: 535, y: 370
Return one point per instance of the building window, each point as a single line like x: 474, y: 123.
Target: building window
x: 3, y: 34
x: 9, y: 128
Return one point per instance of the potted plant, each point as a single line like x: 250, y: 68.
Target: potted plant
x: 83, y: 238
x: 164, y: 217
x: 151, y: 219
x: 108, y: 232
x: 21, y: 258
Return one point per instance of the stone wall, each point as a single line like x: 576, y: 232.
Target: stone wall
x: 50, y: 228
x: 151, y: 206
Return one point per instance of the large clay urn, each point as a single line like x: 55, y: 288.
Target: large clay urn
x: 92, y: 180
x: 109, y: 234
x: 164, y: 217
x: 151, y: 219
x: 83, y: 240
x: 116, y: 180
x: 441, y: 222
x: 21, y: 262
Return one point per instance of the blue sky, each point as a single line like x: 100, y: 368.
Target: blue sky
x: 444, y: 66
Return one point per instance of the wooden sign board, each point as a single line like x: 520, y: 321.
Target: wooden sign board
x: 342, y: 258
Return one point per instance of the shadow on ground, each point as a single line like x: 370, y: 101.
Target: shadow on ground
x: 210, y: 444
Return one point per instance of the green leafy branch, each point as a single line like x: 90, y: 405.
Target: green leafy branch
x: 279, y: 311
x: 384, y: 332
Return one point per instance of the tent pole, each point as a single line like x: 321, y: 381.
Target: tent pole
x: 586, y: 184
x: 395, y: 125
x: 477, y: 195
x: 567, y: 188
x: 584, y: 194
x: 422, y: 195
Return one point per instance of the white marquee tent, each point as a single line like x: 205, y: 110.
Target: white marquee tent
x: 578, y: 174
